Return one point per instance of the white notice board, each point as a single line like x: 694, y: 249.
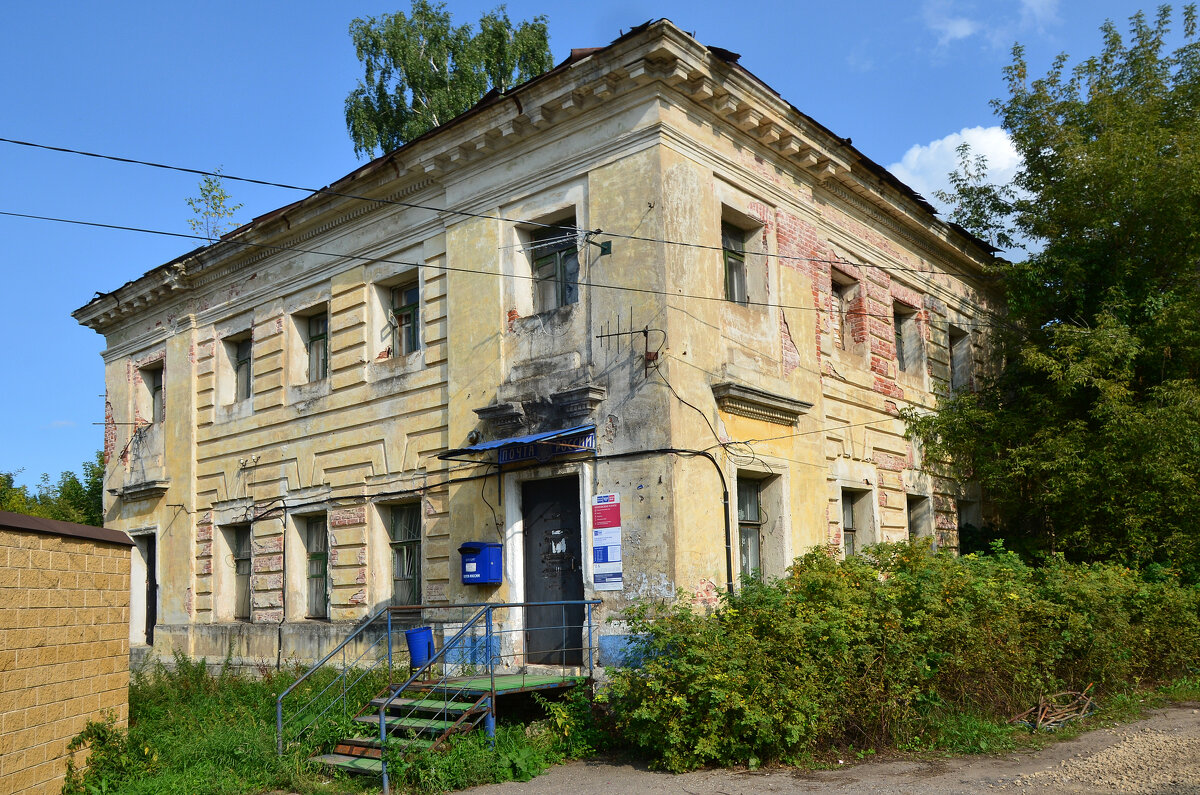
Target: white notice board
x: 606, y: 542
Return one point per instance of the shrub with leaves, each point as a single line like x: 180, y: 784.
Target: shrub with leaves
x: 898, y: 648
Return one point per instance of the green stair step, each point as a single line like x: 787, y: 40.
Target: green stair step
x: 420, y: 724
x: 427, y: 704
x: 354, y: 764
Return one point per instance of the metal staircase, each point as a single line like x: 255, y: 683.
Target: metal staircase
x: 482, y: 657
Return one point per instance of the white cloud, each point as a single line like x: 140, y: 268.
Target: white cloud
x: 949, y: 28
x: 1039, y: 13
x: 925, y: 167
x: 60, y: 424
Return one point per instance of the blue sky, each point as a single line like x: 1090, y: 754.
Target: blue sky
x: 257, y: 88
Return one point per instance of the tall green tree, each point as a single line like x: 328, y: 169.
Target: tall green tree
x: 421, y: 70
x: 72, y: 498
x: 1087, y: 432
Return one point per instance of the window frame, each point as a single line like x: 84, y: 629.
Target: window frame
x: 750, y: 529
x: 322, y: 363
x: 858, y: 520
x: 243, y: 362
x: 242, y: 556
x: 316, y: 567
x: 406, y: 339
x: 406, y: 518
x: 554, y: 249
x: 733, y: 258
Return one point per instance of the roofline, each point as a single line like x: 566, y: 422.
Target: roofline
x: 172, y: 273
x: 55, y: 527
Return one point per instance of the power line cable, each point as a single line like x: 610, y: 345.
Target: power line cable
x: 458, y: 269
x: 464, y: 213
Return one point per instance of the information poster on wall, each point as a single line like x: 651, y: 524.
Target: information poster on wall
x: 606, y: 542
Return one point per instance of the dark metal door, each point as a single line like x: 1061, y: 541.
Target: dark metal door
x: 151, y: 587
x: 553, y: 571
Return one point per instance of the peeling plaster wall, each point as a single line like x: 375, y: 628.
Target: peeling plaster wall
x: 651, y: 155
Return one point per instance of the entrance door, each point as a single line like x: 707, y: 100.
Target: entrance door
x: 553, y: 571
x: 147, y: 548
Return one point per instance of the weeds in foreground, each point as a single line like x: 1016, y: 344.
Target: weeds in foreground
x: 193, y: 732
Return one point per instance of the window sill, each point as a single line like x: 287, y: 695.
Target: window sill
x: 313, y: 390
x: 234, y: 411
x: 393, y: 366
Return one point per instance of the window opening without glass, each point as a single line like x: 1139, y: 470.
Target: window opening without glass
x: 904, y: 319
x: 555, y: 256
x: 317, y: 539
x: 405, y: 534
x: 733, y: 245
x: 405, y: 339
x: 843, y: 297
x: 153, y: 378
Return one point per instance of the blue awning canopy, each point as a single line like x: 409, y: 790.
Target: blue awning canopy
x: 539, y: 446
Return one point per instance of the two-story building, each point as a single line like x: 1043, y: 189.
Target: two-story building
x: 640, y: 321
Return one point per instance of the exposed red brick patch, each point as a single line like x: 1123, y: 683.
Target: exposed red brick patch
x: 268, y: 563
x: 347, y: 517
x: 886, y: 387
x: 268, y: 546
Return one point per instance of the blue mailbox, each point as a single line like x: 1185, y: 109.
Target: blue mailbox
x: 482, y: 562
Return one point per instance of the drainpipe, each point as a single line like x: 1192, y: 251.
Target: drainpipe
x: 283, y: 598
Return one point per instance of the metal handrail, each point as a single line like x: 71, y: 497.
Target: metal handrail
x: 362, y: 628
x: 485, y: 613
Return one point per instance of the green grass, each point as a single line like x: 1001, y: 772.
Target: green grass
x: 191, y: 732
x: 207, y: 735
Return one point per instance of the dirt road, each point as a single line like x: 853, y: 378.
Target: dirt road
x: 1156, y: 756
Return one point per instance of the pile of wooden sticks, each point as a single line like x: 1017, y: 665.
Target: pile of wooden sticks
x: 1052, y: 712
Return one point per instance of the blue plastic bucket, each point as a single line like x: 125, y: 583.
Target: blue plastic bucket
x: 420, y: 645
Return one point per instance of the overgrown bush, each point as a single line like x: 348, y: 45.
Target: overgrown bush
x: 896, y: 648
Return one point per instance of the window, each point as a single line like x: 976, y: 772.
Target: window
x: 237, y: 377
x: 404, y: 532
x: 317, y: 345
x: 960, y: 359
x: 317, y: 546
x: 152, y: 406
x: 750, y: 524
x: 970, y: 522
x: 845, y: 293
x: 405, y: 319
x: 733, y: 245
x: 857, y: 521
x: 238, y: 538
x: 555, y: 266
x: 920, y: 517
x: 243, y: 363
x: 908, y: 345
